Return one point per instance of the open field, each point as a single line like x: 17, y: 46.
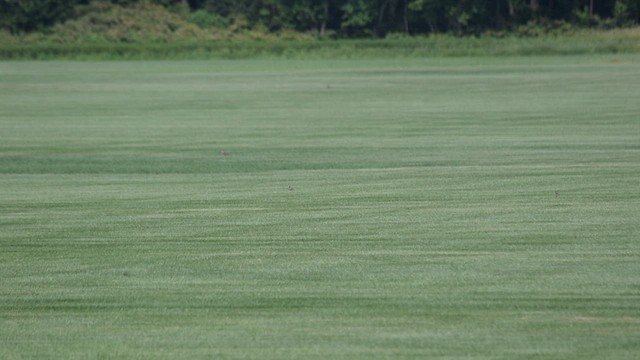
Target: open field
x: 341, y: 209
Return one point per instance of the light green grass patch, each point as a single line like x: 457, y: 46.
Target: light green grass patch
x: 443, y: 208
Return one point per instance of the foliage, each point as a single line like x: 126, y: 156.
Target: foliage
x: 139, y: 22
x: 544, y: 28
x: 30, y: 15
x: 206, y: 20
x: 287, y: 44
x: 357, y: 16
x: 346, y: 18
x: 306, y: 15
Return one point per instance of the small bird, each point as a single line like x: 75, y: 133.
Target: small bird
x: 290, y: 188
x: 224, y: 153
x: 556, y: 194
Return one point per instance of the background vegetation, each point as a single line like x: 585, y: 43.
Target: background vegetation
x: 207, y: 29
x: 578, y: 43
x: 129, y: 20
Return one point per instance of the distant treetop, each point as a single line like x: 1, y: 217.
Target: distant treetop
x: 349, y: 18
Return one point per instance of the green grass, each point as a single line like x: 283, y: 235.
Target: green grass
x: 444, y: 208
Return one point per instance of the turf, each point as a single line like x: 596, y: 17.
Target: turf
x: 425, y: 208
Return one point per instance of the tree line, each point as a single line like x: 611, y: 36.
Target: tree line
x: 354, y: 18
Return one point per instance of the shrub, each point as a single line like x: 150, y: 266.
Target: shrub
x: 138, y: 22
x: 207, y: 20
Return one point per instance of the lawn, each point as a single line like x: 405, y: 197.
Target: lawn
x: 321, y: 209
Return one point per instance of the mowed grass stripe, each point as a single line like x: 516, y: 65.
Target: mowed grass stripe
x: 453, y: 208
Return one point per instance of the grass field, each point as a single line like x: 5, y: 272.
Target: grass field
x: 341, y: 209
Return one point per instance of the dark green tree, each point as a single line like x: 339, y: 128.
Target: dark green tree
x: 29, y: 15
